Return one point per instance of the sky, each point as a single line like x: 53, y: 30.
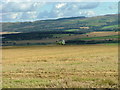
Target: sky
x: 32, y: 10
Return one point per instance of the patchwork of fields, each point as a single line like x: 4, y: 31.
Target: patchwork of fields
x: 96, y: 36
x: 69, y: 66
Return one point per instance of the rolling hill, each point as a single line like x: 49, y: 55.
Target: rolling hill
x: 75, y: 30
x: 97, y: 23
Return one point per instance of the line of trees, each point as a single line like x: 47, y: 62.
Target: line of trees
x: 36, y: 35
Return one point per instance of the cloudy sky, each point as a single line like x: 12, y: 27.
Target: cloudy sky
x: 31, y: 10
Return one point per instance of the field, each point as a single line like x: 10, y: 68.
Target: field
x: 69, y: 66
x: 87, y: 36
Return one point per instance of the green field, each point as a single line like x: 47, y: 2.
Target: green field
x: 72, y: 30
x: 111, y: 26
x: 69, y: 66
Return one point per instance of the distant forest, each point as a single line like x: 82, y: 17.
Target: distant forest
x: 37, y: 35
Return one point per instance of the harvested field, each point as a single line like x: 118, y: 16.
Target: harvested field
x: 69, y: 66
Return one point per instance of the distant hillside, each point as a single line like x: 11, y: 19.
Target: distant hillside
x: 98, y: 23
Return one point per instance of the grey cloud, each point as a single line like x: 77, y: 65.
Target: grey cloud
x: 13, y: 11
x: 87, y: 13
x: 114, y: 6
x: 10, y: 16
x: 89, y: 5
x: 46, y: 15
x: 80, y: 5
x: 73, y: 9
x: 28, y: 15
x: 68, y: 9
x: 20, y: 7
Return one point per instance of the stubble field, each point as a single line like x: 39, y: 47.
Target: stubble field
x: 75, y: 66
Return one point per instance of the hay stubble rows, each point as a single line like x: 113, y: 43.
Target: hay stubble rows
x: 81, y: 66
